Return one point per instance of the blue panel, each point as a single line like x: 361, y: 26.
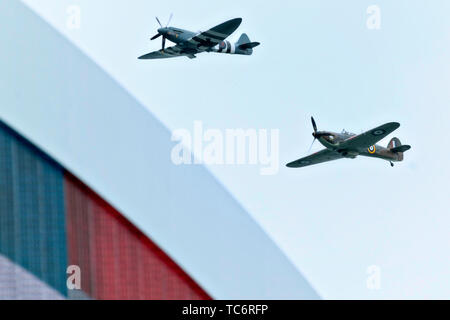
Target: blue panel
x: 32, y: 215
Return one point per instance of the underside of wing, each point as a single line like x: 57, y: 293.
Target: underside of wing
x: 216, y: 35
x: 315, y: 158
x: 155, y: 55
x: 170, y: 52
x: 364, y: 140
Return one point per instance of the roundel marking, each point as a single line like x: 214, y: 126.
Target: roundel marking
x: 372, y: 149
x: 378, y: 132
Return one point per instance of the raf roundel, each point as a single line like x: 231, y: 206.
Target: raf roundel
x: 378, y: 132
x: 372, y: 149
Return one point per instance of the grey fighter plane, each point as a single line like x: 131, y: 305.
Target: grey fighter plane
x: 350, y: 145
x: 190, y: 43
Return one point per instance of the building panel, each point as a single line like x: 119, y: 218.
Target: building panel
x: 32, y: 219
x: 50, y: 220
x: 118, y: 261
x: 16, y: 283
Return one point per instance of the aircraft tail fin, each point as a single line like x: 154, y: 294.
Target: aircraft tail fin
x: 395, y: 142
x: 244, y: 43
x: 396, y: 146
x: 243, y: 39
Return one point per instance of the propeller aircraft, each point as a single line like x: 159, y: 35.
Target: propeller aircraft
x: 190, y: 43
x: 349, y: 145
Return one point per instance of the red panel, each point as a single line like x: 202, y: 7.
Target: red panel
x: 117, y: 260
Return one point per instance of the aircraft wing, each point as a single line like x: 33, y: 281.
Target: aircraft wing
x: 216, y: 35
x: 170, y: 52
x: 315, y: 158
x: 369, y: 138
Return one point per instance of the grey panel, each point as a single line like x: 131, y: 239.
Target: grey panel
x: 18, y: 284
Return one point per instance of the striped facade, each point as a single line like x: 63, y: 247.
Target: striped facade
x: 50, y: 220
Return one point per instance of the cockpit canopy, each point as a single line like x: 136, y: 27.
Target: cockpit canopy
x: 330, y: 138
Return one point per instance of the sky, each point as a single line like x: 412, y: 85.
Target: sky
x: 317, y: 58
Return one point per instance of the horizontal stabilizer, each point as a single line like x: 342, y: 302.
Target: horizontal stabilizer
x: 249, y: 45
x: 402, y: 148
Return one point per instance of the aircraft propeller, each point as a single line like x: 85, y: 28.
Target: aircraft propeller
x: 314, y: 125
x: 159, y: 34
x: 315, y: 135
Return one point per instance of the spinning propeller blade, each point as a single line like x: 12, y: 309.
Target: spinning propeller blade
x: 314, y: 133
x: 170, y: 19
x: 314, y: 140
x: 159, y: 22
x: 155, y: 36
x: 314, y: 124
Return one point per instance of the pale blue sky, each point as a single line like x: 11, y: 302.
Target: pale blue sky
x: 316, y: 58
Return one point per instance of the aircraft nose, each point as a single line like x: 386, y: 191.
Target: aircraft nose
x: 162, y: 30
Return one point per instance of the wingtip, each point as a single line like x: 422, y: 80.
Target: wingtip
x: 237, y: 20
x: 393, y: 125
